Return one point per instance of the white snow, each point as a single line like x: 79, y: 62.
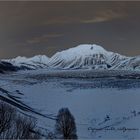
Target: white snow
x: 92, y: 56
x: 90, y: 106
x: 85, y: 56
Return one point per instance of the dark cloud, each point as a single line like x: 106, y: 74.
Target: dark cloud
x: 29, y: 28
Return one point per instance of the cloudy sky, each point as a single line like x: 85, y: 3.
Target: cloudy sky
x: 31, y: 28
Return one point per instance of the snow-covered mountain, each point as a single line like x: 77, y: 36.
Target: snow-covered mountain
x: 38, y: 61
x: 86, y: 56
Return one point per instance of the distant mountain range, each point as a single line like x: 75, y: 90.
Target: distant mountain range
x: 36, y: 62
x: 86, y: 56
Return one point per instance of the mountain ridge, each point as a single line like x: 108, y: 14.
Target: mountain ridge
x: 84, y: 56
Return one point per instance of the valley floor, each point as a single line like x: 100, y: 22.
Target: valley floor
x: 103, y: 107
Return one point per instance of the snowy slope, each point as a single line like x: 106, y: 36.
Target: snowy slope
x: 102, y: 107
x: 5, y: 67
x: 131, y: 63
x: 38, y: 61
x: 85, y: 56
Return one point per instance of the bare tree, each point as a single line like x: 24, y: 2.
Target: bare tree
x: 25, y: 128
x: 16, y: 126
x: 65, y: 127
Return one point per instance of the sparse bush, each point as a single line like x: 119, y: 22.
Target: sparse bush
x: 16, y: 126
x: 65, y: 127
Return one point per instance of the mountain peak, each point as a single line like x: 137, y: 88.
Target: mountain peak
x: 91, y: 47
x: 85, y: 49
x: 81, y: 56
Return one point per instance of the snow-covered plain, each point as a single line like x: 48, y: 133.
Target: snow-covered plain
x: 104, y: 107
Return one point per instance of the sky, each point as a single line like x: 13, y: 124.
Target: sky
x: 32, y: 28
